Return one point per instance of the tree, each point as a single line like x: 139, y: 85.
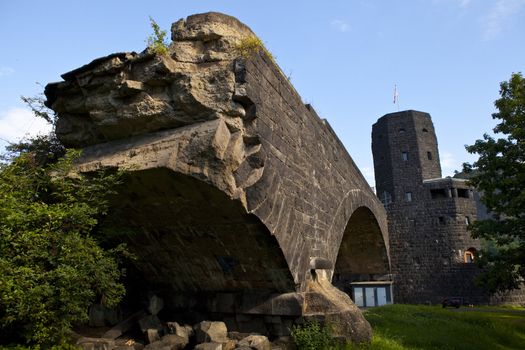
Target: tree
x: 499, y: 175
x: 52, y: 266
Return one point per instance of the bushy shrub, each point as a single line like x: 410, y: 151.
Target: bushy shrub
x: 51, y: 266
x: 312, y: 336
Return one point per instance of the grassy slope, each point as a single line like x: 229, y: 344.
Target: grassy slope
x: 430, y: 327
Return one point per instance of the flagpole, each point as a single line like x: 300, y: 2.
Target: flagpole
x: 396, y: 97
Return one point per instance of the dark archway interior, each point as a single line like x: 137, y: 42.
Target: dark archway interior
x: 362, y: 255
x: 190, y: 237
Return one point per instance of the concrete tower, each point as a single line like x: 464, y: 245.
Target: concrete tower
x: 428, y: 216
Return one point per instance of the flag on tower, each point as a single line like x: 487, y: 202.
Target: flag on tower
x: 396, y: 94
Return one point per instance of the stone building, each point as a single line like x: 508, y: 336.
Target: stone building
x: 431, y: 250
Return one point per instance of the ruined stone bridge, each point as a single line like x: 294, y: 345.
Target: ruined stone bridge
x: 235, y: 190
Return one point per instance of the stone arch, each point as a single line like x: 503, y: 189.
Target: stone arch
x: 353, y: 200
x: 362, y: 249
x: 191, y: 237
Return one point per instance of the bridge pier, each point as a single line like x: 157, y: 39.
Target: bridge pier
x: 237, y: 198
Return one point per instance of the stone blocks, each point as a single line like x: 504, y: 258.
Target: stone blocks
x: 232, y: 183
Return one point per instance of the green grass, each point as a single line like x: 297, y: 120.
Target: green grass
x: 431, y: 327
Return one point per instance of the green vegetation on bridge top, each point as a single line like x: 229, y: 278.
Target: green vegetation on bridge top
x: 403, y: 327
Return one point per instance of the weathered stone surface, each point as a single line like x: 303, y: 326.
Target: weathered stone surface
x: 124, y: 347
x: 100, y: 316
x: 209, y: 346
x: 95, y: 343
x: 158, y: 345
x: 128, y: 343
x: 130, y: 94
x: 169, y: 341
x: 155, y: 304
x: 138, y: 346
x: 175, y: 341
x: 257, y: 342
x: 229, y: 345
x: 123, y: 326
x: 232, y: 183
x: 209, y: 331
x: 291, y: 172
x: 185, y: 331
x: 325, y: 302
x: 150, y: 322
x: 237, y: 335
x: 152, y: 335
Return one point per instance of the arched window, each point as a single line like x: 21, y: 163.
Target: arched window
x: 470, y: 255
x: 401, y: 130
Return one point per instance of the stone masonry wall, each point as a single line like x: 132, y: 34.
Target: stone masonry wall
x: 236, y: 195
x: 313, y: 186
x: 428, y: 236
x: 203, y: 126
x: 429, y: 240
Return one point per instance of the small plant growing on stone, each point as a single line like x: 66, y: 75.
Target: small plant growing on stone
x: 157, y: 41
x: 312, y: 336
x: 250, y: 45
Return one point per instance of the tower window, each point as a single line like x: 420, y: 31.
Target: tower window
x: 386, y: 198
x: 401, y: 130
x: 404, y: 155
x: 425, y: 130
x: 462, y: 192
x: 467, y: 220
x: 470, y: 255
x: 438, y: 193
x: 429, y: 155
x: 408, y: 196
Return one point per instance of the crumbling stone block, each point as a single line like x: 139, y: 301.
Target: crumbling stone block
x: 210, y: 331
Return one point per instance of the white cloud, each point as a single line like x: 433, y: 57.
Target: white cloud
x: 498, y: 15
x: 464, y: 3
x: 6, y: 71
x: 340, y: 25
x: 449, y: 164
x: 17, y: 123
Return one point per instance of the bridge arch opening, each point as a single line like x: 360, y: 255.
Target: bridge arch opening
x: 191, y: 238
x: 362, y: 258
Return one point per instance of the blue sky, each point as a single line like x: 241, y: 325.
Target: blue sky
x: 447, y: 57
